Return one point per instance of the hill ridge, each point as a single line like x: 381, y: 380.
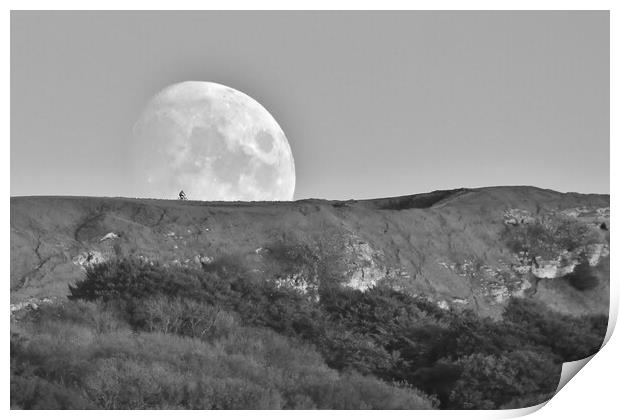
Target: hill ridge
x: 452, y: 246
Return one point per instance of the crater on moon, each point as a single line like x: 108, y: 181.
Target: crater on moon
x: 213, y: 142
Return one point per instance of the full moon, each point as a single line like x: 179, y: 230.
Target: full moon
x: 213, y: 142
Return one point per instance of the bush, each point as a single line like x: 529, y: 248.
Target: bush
x: 33, y: 393
x: 186, y: 317
x: 101, y: 317
x: 249, y: 368
x: 583, y: 276
x: 272, y: 341
x: 546, y: 238
x: 568, y: 338
x: 492, y: 381
x: 129, y: 280
x: 534, y: 239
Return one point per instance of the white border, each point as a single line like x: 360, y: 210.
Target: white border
x: 592, y: 395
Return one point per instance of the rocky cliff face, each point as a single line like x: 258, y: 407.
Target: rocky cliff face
x: 460, y: 249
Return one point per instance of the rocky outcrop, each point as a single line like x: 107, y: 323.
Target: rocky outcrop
x: 89, y: 259
x: 108, y: 236
x: 300, y: 283
x: 564, y: 263
x: 31, y: 304
x: 364, y: 269
x: 518, y: 216
x: 202, y: 259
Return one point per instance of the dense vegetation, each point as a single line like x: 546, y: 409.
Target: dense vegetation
x: 142, y: 335
x: 547, y: 237
x: 582, y: 277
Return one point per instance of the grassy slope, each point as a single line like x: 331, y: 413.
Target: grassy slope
x: 413, y: 233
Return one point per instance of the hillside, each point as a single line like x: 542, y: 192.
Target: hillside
x: 465, y: 248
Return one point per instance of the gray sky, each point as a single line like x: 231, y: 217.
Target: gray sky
x: 373, y: 104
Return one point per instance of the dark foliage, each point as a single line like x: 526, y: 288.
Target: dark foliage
x: 464, y: 360
x: 546, y: 237
x: 583, y: 276
x: 568, y: 338
x: 60, y: 361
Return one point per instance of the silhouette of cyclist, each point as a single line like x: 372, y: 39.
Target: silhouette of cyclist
x: 182, y: 195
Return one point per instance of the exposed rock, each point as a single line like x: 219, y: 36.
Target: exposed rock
x: 298, y: 282
x: 522, y: 269
x: 518, y: 216
x: 89, y: 259
x: 446, y: 265
x: 551, y: 269
x: 595, y: 252
x: 443, y: 305
x: 565, y: 262
x: 603, y: 212
x: 499, y: 292
x: 364, y: 278
x: 145, y: 260
x: 108, y: 236
x: 30, y: 304
x: 364, y: 272
x: 202, y: 259
x: 576, y: 212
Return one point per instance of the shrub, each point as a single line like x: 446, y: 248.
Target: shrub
x: 250, y: 368
x: 571, y: 234
x: 492, y: 381
x: 101, y: 317
x: 545, y: 238
x: 569, y: 338
x: 31, y: 392
x: 583, y: 276
x: 272, y: 343
x: 534, y: 239
x: 120, y: 383
x: 356, y: 392
x: 186, y: 317
x: 129, y: 280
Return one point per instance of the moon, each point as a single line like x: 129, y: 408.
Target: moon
x: 213, y: 142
